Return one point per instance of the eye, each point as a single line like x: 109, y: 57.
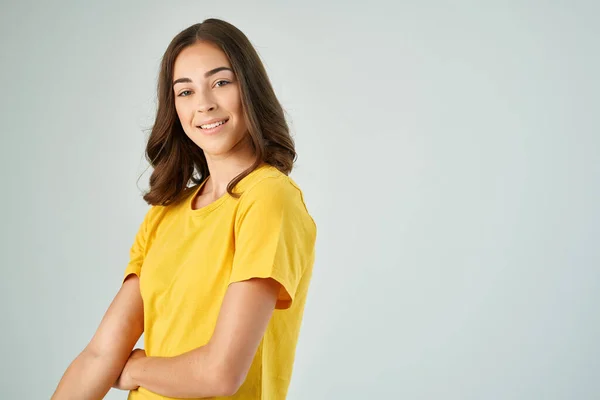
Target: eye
x: 181, y: 94
x: 217, y: 84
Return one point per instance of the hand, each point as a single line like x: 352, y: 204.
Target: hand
x: 124, y: 381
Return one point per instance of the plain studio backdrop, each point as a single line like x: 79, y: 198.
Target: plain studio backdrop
x: 448, y: 152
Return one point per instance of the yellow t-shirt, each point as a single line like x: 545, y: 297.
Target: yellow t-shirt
x: 186, y: 259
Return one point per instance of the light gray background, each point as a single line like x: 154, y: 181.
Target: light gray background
x: 447, y: 150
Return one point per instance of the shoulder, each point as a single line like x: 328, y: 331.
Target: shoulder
x: 274, y: 193
x: 270, y: 184
x: 153, y: 216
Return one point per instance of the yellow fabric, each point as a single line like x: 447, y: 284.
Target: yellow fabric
x: 186, y: 259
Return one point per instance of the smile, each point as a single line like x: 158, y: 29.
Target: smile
x: 214, y: 125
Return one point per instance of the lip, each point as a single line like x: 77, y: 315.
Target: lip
x: 211, y: 121
x: 213, y: 131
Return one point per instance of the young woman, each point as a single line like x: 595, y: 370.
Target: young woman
x: 219, y: 270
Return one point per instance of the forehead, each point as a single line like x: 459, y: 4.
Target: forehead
x: 199, y: 58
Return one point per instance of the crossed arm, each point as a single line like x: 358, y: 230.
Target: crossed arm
x: 216, y: 369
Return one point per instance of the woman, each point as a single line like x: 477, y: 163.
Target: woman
x: 219, y: 271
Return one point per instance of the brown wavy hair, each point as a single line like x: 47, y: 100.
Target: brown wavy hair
x: 176, y: 159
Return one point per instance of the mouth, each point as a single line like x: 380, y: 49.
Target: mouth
x: 208, y: 127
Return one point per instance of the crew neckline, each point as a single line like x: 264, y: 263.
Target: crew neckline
x: 211, y: 206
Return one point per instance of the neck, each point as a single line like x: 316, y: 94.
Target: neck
x: 223, y: 169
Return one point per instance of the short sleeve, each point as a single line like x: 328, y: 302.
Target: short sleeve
x: 274, y: 236
x: 138, y: 249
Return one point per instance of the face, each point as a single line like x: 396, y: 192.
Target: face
x: 208, y: 103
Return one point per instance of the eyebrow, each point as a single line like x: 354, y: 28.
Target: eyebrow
x: 206, y: 75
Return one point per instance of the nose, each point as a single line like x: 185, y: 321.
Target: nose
x: 205, y: 107
x: 205, y: 103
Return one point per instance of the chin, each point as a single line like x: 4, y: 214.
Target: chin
x: 215, y: 151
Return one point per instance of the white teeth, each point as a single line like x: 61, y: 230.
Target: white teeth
x: 210, y: 126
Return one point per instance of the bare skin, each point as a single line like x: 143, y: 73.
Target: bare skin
x: 220, y: 367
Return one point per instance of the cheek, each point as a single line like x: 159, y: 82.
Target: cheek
x: 235, y: 102
x: 239, y: 108
x: 178, y: 110
x: 181, y: 114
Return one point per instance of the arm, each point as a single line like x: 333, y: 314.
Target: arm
x: 220, y: 367
x: 97, y: 367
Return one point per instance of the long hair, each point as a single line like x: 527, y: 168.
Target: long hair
x: 177, y: 161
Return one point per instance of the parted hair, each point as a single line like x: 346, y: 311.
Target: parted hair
x: 176, y: 160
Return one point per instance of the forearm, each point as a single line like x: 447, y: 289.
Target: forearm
x: 189, y: 375
x: 88, y: 377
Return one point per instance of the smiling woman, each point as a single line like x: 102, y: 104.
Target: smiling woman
x: 209, y: 103
x: 221, y: 264
x: 211, y: 72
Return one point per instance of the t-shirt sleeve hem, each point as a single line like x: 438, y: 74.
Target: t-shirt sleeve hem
x: 131, y: 269
x: 285, y: 298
